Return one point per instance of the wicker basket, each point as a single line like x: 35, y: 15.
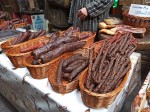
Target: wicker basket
x: 20, y: 25
x: 43, y: 70
x: 135, y: 21
x: 8, y: 44
x: 94, y: 100
x: 148, y: 92
x: 66, y: 86
x: 16, y: 57
x: 146, y: 109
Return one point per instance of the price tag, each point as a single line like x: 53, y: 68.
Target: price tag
x: 139, y: 10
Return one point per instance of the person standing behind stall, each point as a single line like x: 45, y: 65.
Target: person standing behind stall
x: 57, y: 13
x: 86, y: 14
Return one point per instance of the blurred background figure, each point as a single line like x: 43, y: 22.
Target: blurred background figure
x: 57, y: 13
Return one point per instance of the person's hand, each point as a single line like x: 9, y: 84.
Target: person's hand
x: 82, y: 13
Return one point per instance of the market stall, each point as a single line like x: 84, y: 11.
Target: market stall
x: 67, y: 70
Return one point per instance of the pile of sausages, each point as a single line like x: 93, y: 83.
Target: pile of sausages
x: 70, y: 68
x: 9, y: 24
x: 112, y: 63
x: 25, y: 36
x: 58, y: 45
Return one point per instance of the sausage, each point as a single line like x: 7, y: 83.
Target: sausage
x: 66, y: 75
x: 91, y: 58
x: 69, y: 47
x: 51, y: 46
x: 32, y: 35
x: 35, y: 62
x: 15, y: 21
x: 22, y: 38
x: 42, y: 33
x: 38, y: 33
x: 60, y: 72
x: 30, y: 48
x: 54, y: 37
x: 71, y: 68
x: 68, y: 32
x: 78, y: 70
x: 17, y: 38
x: 71, y: 59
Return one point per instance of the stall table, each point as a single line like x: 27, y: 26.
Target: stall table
x: 31, y: 95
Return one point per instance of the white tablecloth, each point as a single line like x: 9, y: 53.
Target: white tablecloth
x: 31, y: 95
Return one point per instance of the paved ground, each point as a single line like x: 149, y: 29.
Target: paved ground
x: 5, y: 106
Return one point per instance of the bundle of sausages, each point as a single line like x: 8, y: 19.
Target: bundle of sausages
x: 25, y: 36
x: 9, y: 24
x: 57, y: 45
x: 70, y: 68
x: 112, y: 63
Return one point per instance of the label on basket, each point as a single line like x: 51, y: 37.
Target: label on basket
x: 139, y: 10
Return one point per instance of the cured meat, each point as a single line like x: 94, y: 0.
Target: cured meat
x: 38, y: 33
x: 30, y: 48
x: 66, y: 75
x: 69, y: 47
x: 71, y: 59
x: 60, y: 72
x: 74, y: 65
x: 54, y: 37
x: 91, y: 58
x: 78, y: 70
x: 42, y: 33
x: 70, y: 31
x: 51, y: 46
x: 32, y: 35
x: 111, y: 64
x: 21, y: 38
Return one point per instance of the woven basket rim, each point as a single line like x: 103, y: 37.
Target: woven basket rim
x: 106, y: 95
x: 21, y: 44
x: 86, y: 39
x: 3, y: 46
x: 55, y: 83
x: 9, y: 46
x: 12, y: 54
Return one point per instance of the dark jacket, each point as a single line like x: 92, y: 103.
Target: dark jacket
x: 97, y: 11
x: 57, y: 12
